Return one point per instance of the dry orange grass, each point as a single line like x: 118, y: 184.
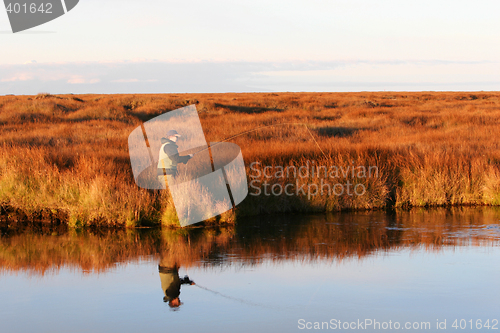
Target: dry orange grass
x: 69, y: 153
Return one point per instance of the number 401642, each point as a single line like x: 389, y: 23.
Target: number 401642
x: 478, y: 324
x: 32, y: 8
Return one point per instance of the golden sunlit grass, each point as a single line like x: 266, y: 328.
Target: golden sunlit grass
x: 68, y: 154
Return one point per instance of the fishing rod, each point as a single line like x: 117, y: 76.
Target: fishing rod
x: 262, y: 127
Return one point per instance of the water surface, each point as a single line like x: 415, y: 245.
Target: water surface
x: 278, y: 274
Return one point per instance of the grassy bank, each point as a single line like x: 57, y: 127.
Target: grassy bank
x: 66, y: 157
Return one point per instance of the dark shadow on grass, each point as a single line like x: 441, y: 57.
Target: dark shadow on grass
x: 246, y: 109
x: 145, y: 116
x: 339, y: 132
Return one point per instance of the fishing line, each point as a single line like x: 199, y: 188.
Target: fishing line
x: 234, y: 298
x: 262, y: 127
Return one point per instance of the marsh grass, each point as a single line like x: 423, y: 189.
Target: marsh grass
x: 69, y: 154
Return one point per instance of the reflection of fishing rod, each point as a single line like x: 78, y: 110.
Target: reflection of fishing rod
x: 258, y: 128
x: 233, y: 298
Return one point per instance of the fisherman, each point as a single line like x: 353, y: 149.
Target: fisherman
x: 171, y: 284
x: 169, y: 156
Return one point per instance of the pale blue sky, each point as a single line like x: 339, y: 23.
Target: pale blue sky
x: 218, y: 46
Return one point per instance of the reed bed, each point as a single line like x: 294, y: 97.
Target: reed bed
x: 67, y: 155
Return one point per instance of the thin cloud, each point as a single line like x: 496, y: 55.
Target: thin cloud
x: 79, y: 79
x: 18, y: 77
x: 162, y: 77
x: 125, y: 81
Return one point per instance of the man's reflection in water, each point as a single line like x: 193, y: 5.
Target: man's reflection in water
x: 171, y: 283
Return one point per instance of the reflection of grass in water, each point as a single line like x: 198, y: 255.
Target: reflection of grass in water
x: 69, y: 154
x: 39, y: 253
x: 303, y: 238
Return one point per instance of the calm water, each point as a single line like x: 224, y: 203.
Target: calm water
x: 280, y: 274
